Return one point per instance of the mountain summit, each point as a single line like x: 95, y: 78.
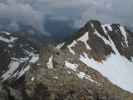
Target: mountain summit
x: 104, y: 39
x: 106, y: 48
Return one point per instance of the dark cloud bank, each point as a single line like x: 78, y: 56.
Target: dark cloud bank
x: 44, y: 16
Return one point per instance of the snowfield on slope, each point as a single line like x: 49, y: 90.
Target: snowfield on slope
x: 116, y: 68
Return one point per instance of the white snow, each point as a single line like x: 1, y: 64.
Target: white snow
x: 12, y: 39
x: 71, y: 66
x: 33, y: 78
x: 59, y: 46
x: 7, y: 33
x: 34, y: 58
x: 8, y: 40
x: 24, y: 59
x: 124, y: 33
x: 12, y: 67
x: 82, y: 75
x: 70, y: 47
x: 50, y: 63
x: 108, y: 42
x: 84, y: 39
x: 10, y: 45
x: 103, y: 38
x: 15, y: 63
x: 108, y: 26
x: 122, y: 29
x: 38, y: 64
x: 104, y: 29
x: 23, y: 71
x: 116, y: 68
x: 56, y: 77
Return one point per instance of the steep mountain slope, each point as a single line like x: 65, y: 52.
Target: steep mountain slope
x: 94, y: 64
x: 16, y: 55
x: 107, y: 49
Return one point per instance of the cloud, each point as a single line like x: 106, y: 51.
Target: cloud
x: 109, y: 11
x: 13, y: 13
x: 33, y: 13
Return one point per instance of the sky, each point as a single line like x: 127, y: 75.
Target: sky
x: 34, y: 13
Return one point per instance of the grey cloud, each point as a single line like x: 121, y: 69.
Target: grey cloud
x: 110, y: 11
x: 14, y: 13
x: 34, y: 12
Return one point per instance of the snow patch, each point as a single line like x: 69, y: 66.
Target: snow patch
x: 59, y: 46
x: 71, y: 66
x: 116, y: 68
x: 50, y: 63
x: 56, y: 77
x: 12, y: 67
x: 70, y: 47
x: 84, y: 39
x: 108, y: 42
x: 23, y: 71
x: 19, y: 66
x: 10, y: 45
x: 7, y: 33
x: 34, y: 57
x: 82, y: 75
x: 100, y: 36
x: 33, y: 78
x: 104, y: 29
x: 108, y: 27
x: 11, y: 40
x: 124, y: 33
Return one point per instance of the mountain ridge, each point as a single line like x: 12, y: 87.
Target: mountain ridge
x: 104, y: 32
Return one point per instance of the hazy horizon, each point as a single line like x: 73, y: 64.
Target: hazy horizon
x: 34, y: 13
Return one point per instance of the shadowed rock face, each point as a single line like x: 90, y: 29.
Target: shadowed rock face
x: 4, y: 59
x: 60, y: 72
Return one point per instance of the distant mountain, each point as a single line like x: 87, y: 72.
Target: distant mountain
x: 17, y: 53
x: 96, y: 63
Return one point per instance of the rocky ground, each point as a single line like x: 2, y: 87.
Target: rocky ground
x: 60, y: 83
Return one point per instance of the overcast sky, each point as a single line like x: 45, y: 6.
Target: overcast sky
x: 34, y: 12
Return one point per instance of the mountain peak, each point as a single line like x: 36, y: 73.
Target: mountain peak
x: 107, y: 48
x: 105, y: 39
